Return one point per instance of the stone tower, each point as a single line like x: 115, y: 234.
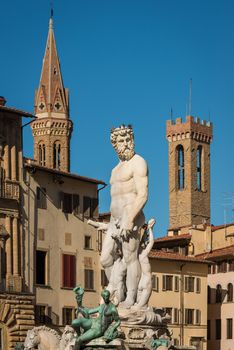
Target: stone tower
x: 52, y: 129
x: 189, y: 171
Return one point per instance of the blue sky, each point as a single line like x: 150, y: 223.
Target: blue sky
x: 130, y: 61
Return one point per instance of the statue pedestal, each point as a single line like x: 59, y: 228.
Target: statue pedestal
x: 100, y: 344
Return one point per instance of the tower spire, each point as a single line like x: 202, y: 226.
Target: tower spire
x: 52, y: 129
x: 51, y: 98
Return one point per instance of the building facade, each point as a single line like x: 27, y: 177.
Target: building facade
x: 180, y: 287
x: 189, y: 171
x: 16, y: 304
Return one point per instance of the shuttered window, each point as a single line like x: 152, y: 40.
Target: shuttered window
x: 189, y: 316
x: 155, y: 283
x: 198, y: 317
x: 167, y: 282
x: 89, y: 283
x: 69, y: 271
x: 189, y: 284
x: 198, y: 285
x: 176, y: 316
x: 176, y: 284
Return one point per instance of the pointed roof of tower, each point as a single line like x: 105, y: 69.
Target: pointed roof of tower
x: 51, y: 98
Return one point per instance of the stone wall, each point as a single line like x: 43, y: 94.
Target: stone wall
x: 17, y: 315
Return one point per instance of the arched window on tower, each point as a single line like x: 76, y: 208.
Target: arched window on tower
x: 56, y: 155
x: 199, y: 168
x: 230, y: 292
x: 180, y: 163
x: 42, y: 154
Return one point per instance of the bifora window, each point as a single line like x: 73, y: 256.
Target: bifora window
x: 199, y: 168
x: 42, y: 154
x: 180, y: 160
x: 56, y: 155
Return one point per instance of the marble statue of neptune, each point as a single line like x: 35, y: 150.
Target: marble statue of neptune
x: 129, y: 192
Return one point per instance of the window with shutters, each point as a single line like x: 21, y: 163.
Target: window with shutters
x: 198, y: 317
x: 198, y: 285
x: 41, y: 267
x: 69, y: 271
x: 87, y: 242
x: 155, y: 282
x: 41, y: 197
x: 229, y: 328
x: 189, y: 284
x: 176, y: 316
x: 68, y: 315
x: 89, y: 279
x: 169, y: 312
x: 104, y: 280
x: 189, y: 314
x: 167, y: 282
x: 176, y: 284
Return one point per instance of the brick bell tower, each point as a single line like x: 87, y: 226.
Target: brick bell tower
x: 52, y: 129
x: 189, y: 171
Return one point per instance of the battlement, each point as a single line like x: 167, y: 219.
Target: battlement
x: 195, y: 128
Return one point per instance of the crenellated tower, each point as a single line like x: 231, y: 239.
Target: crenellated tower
x: 52, y: 129
x: 189, y: 171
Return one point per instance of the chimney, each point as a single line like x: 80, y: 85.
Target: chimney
x: 2, y: 101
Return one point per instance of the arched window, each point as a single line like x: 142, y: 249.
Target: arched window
x: 42, y: 154
x: 208, y: 295
x: 56, y: 155
x: 180, y: 160
x: 218, y: 293
x: 199, y: 168
x: 230, y: 292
